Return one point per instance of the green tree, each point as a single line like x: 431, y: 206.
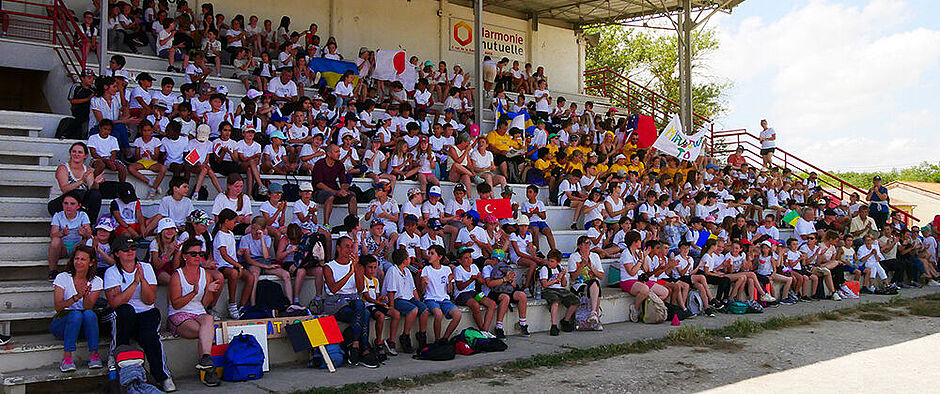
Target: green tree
x: 651, y: 59
x: 923, y: 172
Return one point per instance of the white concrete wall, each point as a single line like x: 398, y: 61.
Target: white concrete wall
x: 925, y: 206
x: 412, y: 25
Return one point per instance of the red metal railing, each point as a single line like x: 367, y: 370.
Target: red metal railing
x: 637, y: 98
x: 837, y: 187
x: 52, y: 23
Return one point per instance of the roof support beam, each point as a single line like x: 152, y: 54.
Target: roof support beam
x: 478, y: 62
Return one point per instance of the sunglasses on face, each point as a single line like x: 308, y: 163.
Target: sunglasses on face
x: 195, y: 254
x: 125, y: 249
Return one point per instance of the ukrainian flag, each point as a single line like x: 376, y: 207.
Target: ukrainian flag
x: 331, y: 70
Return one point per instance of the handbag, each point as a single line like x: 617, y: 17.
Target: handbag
x: 291, y: 191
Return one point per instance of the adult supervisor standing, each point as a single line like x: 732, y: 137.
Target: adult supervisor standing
x: 768, y: 143
x: 878, y: 201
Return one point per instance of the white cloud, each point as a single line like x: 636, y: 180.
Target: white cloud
x: 838, y: 82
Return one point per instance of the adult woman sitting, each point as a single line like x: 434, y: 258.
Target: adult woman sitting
x: 131, y: 290
x: 458, y: 161
x: 75, y: 292
x: 191, y: 290
x: 344, y: 281
x: 75, y: 176
x: 107, y: 105
x: 586, y: 272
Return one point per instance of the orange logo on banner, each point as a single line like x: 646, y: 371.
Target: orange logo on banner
x: 463, y: 27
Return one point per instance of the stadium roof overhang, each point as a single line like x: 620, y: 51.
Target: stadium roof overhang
x: 683, y: 15
x: 577, y: 14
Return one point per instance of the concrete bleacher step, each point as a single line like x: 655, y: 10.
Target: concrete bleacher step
x: 59, y: 149
x: 19, y: 130
x: 234, y: 86
x: 24, y: 248
x: 24, y: 188
x: 30, y: 354
x: 25, y: 158
x: 25, y: 294
x: 19, y: 226
x: 27, y: 172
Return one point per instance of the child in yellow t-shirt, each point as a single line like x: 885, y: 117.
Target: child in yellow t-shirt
x: 575, y: 161
x: 636, y: 164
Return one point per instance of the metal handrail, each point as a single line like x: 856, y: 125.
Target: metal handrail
x: 59, y: 28
x: 792, y: 161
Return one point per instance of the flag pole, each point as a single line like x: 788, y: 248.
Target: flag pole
x: 478, y: 63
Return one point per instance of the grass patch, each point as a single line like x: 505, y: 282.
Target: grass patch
x: 697, y: 338
x: 929, y: 308
x: 874, y: 316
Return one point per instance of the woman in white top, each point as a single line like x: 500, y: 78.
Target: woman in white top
x: 614, y: 206
x: 632, y: 262
x: 107, y: 104
x: 75, y: 176
x: 190, y: 291
x: 344, y: 282
x: 586, y: 273
x: 458, y: 161
x: 484, y: 166
x: 235, y: 199
x: 75, y: 293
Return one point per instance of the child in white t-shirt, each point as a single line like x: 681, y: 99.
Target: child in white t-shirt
x: 438, y: 282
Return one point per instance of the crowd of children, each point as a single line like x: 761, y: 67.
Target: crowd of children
x: 674, y: 227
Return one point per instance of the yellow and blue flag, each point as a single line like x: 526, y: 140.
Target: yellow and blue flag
x: 332, y: 70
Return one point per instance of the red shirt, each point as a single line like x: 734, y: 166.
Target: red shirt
x: 736, y: 160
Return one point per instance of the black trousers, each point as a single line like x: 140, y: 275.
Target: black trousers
x: 144, y: 328
x: 897, y: 268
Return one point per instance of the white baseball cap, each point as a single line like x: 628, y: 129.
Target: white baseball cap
x: 164, y: 224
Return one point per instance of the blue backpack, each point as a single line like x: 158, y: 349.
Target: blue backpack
x: 336, y: 355
x: 243, y: 359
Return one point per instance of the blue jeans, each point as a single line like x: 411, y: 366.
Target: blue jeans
x: 73, y: 325
x: 356, y: 315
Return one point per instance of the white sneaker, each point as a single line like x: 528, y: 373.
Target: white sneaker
x: 836, y: 296
x: 933, y: 283
x: 633, y: 314
x: 233, y: 311
x: 593, y: 319
x: 767, y: 298
x: 168, y: 385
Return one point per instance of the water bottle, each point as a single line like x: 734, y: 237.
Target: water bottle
x: 479, y: 297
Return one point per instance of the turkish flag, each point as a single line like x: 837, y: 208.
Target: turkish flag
x: 646, y: 129
x: 499, y: 207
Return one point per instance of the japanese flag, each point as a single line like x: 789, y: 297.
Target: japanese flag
x: 389, y: 64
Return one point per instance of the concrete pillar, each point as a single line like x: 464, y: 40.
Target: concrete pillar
x: 103, y: 38
x: 685, y: 66
x: 444, y: 33
x: 478, y: 61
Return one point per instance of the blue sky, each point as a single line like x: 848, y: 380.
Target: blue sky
x: 848, y: 85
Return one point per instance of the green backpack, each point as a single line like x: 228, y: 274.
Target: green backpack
x: 470, y: 335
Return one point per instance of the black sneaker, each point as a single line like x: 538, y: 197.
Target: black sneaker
x: 499, y: 333
x: 353, y: 356
x: 567, y: 325
x: 369, y: 360
x: 406, y: 344
x: 524, y: 330
x: 422, y: 338
x: 554, y: 331
x: 205, y: 363
x: 209, y: 377
x: 5, y: 339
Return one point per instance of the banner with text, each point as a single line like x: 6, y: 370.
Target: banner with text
x: 674, y: 142
x: 498, y: 41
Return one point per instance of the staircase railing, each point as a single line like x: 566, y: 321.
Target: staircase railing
x: 637, y: 98
x: 52, y: 23
x: 832, y: 185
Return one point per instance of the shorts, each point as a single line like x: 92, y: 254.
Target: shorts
x: 177, y: 319
x: 763, y: 279
x: 146, y: 163
x: 821, y: 271
x: 581, y: 288
x: 538, y: 225
x: 121, y: 229
x: 462, y: 298
x: 494, y: 295
x: 165, y: 53
x: 373, y: 309
x: 767, y: 151
x: 405, y: 306
x: 69, y: 246
x: 627, y: 285
x: 225, y: 167
x: 560, y: 296
x: 322, y: 195
x: 444, y: 305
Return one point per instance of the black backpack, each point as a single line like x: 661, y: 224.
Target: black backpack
x: 437, y: 352
x: 270, y: 296
x: 311, y: 251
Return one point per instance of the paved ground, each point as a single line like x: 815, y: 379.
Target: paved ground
x: 749, y: 361
x: 286, y: 379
